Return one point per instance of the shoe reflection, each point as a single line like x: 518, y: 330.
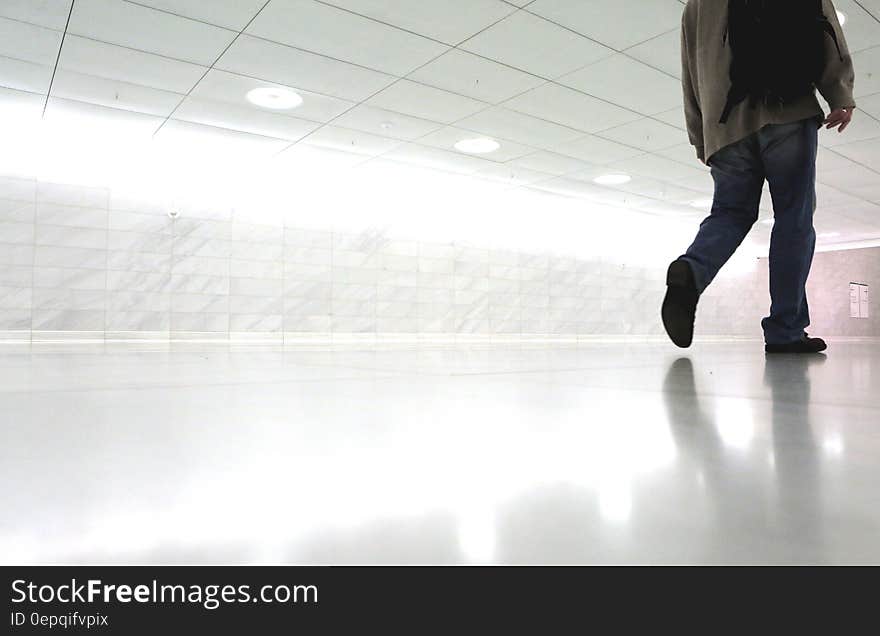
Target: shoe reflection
x: 764, y: 508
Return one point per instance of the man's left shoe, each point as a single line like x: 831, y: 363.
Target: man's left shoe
x: 805, y: 345
x: 680, y: 304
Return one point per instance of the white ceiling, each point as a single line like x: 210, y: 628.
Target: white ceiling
x: 570, y: 88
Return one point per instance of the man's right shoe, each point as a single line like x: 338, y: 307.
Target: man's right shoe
x: 806, y: 345
x: 680, y: 305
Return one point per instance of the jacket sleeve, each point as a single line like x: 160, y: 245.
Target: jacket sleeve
x: 692, y: 113
x: 837, y: 82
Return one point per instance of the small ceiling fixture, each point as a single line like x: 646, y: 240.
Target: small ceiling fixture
x: 841, y: 17
x: 386, y: 125
x: 478, y: 146
x: 613, y: 179
x: 274, y: 97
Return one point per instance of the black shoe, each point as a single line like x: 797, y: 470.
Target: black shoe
x: 806, y: 345
x: 680, y: 304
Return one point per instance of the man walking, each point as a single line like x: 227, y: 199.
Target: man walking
x: 750, y: 70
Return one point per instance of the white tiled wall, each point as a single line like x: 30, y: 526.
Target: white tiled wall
x: 90, y: 262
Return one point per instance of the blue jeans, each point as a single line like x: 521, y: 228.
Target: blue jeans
x: 784, y: 155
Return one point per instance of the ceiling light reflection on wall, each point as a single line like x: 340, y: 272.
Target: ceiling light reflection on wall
x: 275, y: 98
x: 613, y: 179
x: 478, y: 146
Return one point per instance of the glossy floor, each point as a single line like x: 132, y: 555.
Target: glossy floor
x: 606, y: 453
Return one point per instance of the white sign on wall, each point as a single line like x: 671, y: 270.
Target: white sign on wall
x: 858, y: 301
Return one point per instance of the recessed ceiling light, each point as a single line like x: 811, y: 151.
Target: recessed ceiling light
x: 702, y: 203
x: 386, y: 125
x: 478, y: 146
x: 613, y: 179
x: 274, y: 97
x: 841, y: 17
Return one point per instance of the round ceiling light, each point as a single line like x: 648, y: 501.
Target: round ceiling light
x: 613, y: 179
x: 478, y: 146
x: 275, y: 98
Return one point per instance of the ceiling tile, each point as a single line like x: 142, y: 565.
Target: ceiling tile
x: 571, y: 108
x: 233, y: 88
x: 450, y: 21
x: 327, y: 30
x: 426, y: 102
x: 473, y: 76
x: 114, y: 94
x: 352, y: 141
x: 28, y: 42
x: 646, y: 134
x: 378, y: 121
x: 292, y: 67
x: 662, y: 53
x: 868, y: 81
x: 446, y: 138
x: 552, y: 51
x: 657, y: 167
x: 302, y: 159
x: 137, y: 27
x: 831, y: 198
x: 525, y: 129
x: 112, y: 123
x: 437, y: 159
x: 870, y: 105
x: 569, y: 188
x: 24, y: 76
x: 628, y: 83
x: 242, y: 118
x: 551, y: 163
x: 673, y: 117
x: 119, y: 63
x: 616, y: 23
x: 512, y: 175
x: 185, y: 138
x: 862, y: 31
x: 701, y: 183
x: 685, y: 153
x: 596, y: 151
x: 48, y: 13
x: 19, y: 106
x: 231, y: 14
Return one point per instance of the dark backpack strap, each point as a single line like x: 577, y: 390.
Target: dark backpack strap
x: 734, y: 98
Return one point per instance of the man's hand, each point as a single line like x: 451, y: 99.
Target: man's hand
x: 839, y: 117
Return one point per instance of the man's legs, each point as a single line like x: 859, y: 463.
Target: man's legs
x: 739, y: 179
x: 789, y: 155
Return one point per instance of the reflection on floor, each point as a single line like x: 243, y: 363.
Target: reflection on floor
x: 606, y: 453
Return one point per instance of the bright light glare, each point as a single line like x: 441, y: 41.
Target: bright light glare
x: 841, y: 17
x: 736, y: 423
x: 613, y: 179
x: 274, y: 97
x: 478, y: 146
